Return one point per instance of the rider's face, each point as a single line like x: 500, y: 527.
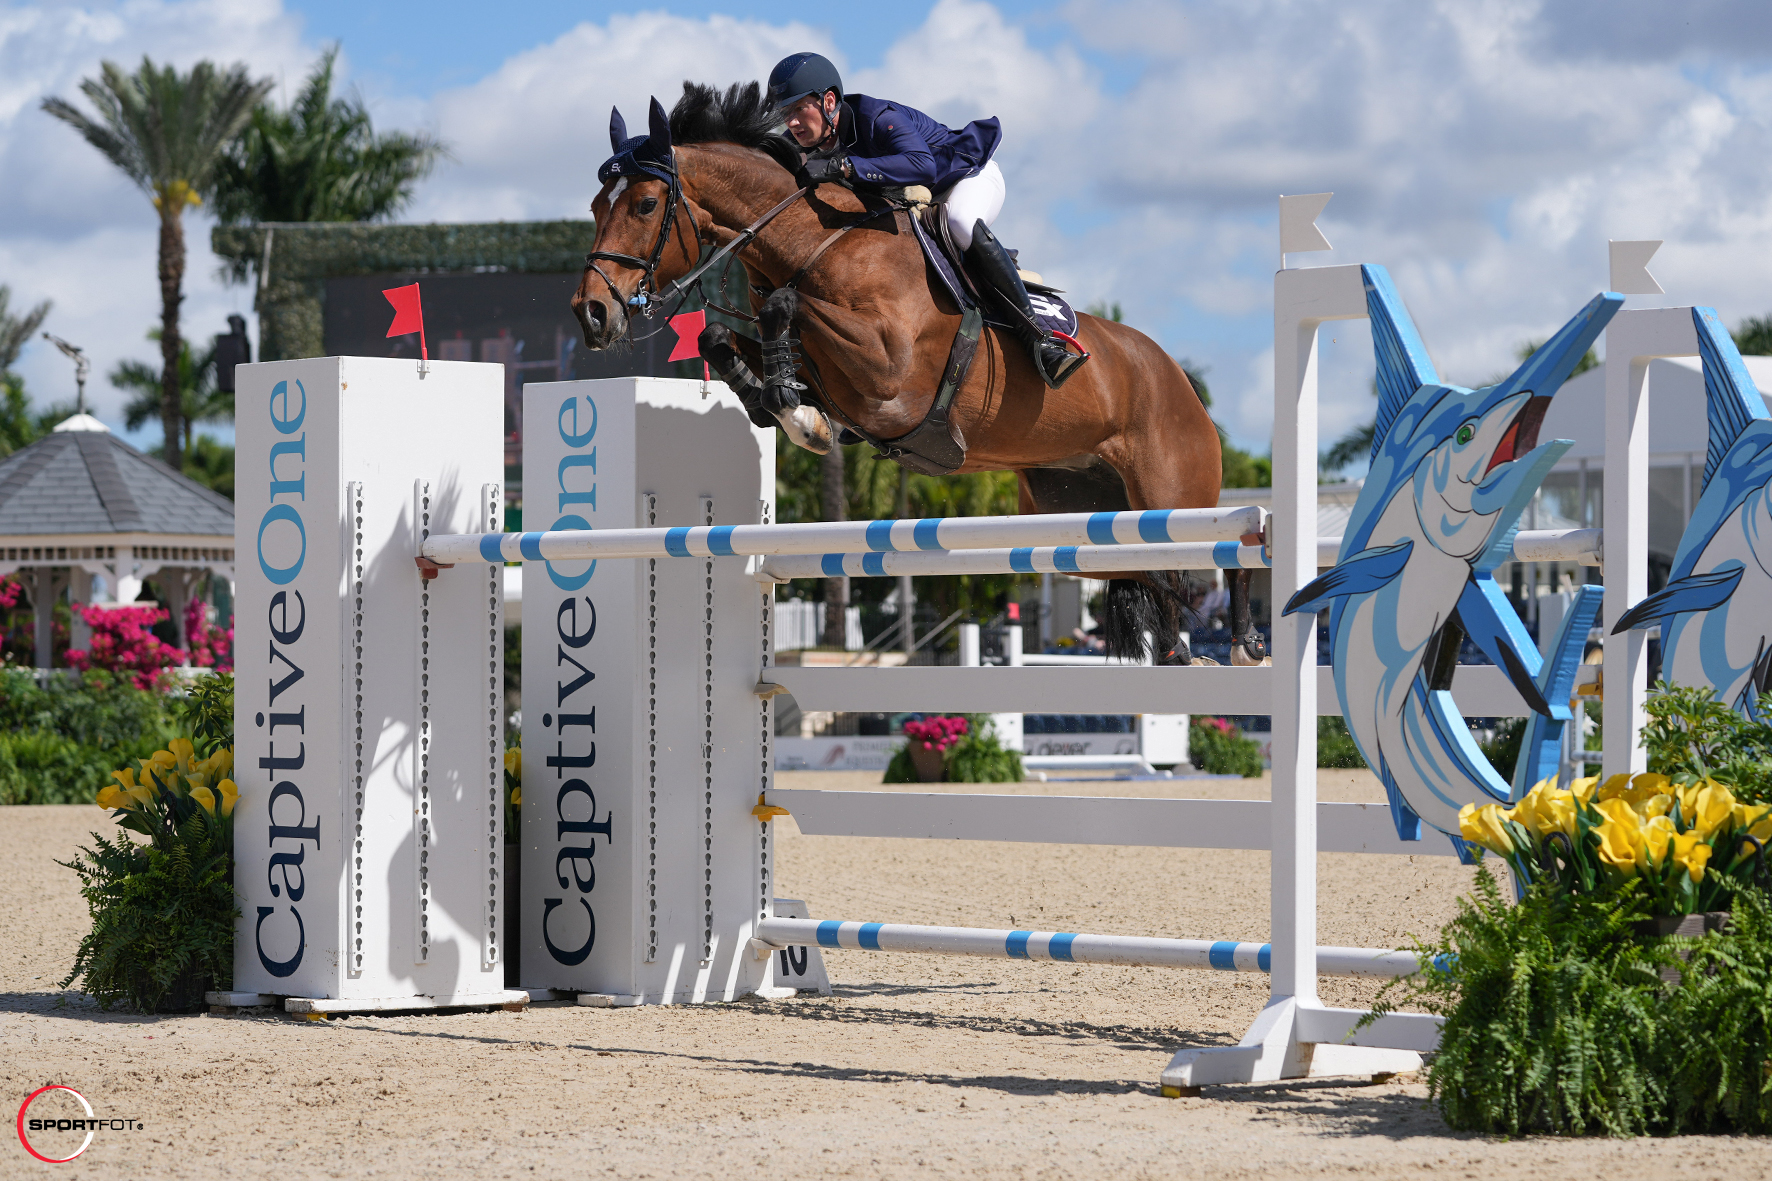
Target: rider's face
x: 809, y: 120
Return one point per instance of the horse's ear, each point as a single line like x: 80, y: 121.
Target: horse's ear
x: 618, y: 129
x: 660, y: 130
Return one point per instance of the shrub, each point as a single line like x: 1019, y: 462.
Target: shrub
x: 123, y: 642
x: 60, y: 739
x: 1551, y: 1015
x: 162, y: 912
x: 1219, y: 748
x: 973, y: 753
x: 1691, y: 735
x: 979, y: 758
x: 1335, y: 746
x: 1719, y: 1027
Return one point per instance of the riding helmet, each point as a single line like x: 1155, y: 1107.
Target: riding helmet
x: 801, y: 74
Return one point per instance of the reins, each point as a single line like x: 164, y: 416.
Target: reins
x: 650, y: 296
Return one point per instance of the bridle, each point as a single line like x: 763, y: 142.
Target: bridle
x: 650, y: 297
x: 645, y: 298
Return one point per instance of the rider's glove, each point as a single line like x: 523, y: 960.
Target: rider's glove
x: 827, y: 169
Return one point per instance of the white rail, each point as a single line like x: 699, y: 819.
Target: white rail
x: 819, y: 537
x: 1582, y: 546
x: 1067, y: 947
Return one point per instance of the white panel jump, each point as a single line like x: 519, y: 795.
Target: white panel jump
x: 647, y: 856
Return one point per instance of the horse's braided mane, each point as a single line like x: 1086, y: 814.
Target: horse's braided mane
x: 739, y: 116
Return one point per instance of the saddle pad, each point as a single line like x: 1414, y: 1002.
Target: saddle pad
x: 1050, y: 308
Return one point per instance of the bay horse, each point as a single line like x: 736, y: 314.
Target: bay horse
x: 1127, y: 431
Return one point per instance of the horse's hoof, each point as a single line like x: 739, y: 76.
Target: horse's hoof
x: 807, y: 427
x: 1206, y: 660
x: 1242, y: 659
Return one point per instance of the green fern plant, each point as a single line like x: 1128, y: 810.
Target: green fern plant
x: 1718, y: 1051
x: 162, y: 916
x: 1552, y: 1015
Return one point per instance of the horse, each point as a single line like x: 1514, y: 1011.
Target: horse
x: 1127, y: 431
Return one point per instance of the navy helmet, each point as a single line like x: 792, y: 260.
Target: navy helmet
x: 802, y: 74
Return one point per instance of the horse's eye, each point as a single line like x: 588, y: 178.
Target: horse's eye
x: 646, y: 206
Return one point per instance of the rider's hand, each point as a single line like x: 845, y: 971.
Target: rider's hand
x: 827, y: 169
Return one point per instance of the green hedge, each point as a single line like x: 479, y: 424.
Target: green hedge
x: 60, y: 740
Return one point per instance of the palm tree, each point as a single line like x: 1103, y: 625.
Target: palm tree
x: 200, y: 400
x: 15, y: 330
x: 320, y: 159
x: 167, y: 132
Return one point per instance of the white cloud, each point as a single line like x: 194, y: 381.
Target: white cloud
x: 528, y: 138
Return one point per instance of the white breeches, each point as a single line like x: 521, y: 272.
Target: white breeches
x: 977, y: 196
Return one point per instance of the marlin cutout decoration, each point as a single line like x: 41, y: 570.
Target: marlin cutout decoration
x: 1452, y: 469
x: 1716, y: 610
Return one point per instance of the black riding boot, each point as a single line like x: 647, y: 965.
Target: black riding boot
x: 992, y: 263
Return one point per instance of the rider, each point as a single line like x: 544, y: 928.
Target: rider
x: 874, y: 142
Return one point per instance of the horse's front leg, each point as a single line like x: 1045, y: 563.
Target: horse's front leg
x: 773, y: 401
x: 806, y: 425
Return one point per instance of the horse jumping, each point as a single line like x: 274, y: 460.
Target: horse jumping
x: 1127, y: 432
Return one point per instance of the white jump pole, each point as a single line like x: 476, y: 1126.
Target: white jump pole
x: 1581, y: 546
x: 820, y: 537
x: 1067, y: 947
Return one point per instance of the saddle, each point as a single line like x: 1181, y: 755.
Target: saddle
x: 937, y: 446
x: 948, y: 261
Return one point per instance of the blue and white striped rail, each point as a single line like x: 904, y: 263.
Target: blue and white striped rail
x: 929, y: 534
x: 1224, y: 955
x: 1539, y: 545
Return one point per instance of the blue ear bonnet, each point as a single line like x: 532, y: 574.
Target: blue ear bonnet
x: 648, y: 155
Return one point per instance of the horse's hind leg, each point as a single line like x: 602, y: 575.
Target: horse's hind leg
x: 1247, y: 646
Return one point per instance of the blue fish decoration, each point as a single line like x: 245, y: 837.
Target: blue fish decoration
x: 1716, y: 609
x: 1452, y: 469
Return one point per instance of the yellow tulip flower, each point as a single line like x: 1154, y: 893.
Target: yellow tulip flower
x: 1617, y: 847
x: 205, y: 797
x: 1613, y: 788
x: 1652, y: 783
x: 141, y: 795
x: 1583, y: 789
x: 516, y: 797
x: 125, y: 777
x: 1657, y: 839
x: 1712, y: 807
x: 1655, y: 806
x: 1621, y: 813
x: 1485, y: 826
x: 183, y: 751
x: 112, y: 796
x: 1691, y: 854
x: 230, y: 795
x: 162, y: 758
x: 1756, y: 818
x: 514, y: 761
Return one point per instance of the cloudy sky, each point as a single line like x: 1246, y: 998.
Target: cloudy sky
x: 1483, y: 150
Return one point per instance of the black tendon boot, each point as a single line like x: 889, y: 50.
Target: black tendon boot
x: 992, y: 263
x: 715, y: 345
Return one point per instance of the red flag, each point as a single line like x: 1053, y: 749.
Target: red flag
x: 688, y: 327
x: 408, y: 315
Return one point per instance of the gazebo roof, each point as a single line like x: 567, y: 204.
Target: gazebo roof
x: 83, y: 480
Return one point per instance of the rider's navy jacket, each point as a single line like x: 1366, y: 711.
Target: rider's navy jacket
x: 892, y: 144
